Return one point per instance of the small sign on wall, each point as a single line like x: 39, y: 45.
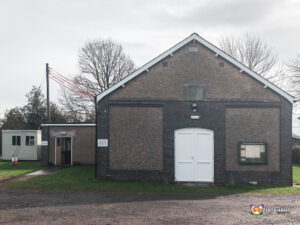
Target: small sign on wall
x: 102, y: 142
x: 195, y: 117
x: 44, y: 143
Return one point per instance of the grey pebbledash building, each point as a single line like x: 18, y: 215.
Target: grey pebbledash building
x: 195, y: 114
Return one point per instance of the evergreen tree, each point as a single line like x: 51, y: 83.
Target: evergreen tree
x: 14, y: 119
x: 33, y: 114
x: 35, y: 109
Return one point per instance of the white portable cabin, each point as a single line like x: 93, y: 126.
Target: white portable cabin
x: 25, y: 143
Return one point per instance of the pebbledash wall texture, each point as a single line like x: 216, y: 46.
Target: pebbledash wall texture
x: 140, y: 117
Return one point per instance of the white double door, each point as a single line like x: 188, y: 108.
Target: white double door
x: 194, y: 155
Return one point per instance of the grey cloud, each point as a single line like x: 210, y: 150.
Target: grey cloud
x: 231, y: 13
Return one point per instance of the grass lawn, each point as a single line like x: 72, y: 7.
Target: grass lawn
x: 81, y: 178
x: 296, y: 174
x: 24, y: 167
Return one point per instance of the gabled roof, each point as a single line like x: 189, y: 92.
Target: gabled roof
x: 219, y: 52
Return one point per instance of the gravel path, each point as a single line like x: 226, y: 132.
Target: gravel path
x: 17, y: 207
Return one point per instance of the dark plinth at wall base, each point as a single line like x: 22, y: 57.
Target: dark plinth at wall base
x: 136, y: 175
x: 266, y: 178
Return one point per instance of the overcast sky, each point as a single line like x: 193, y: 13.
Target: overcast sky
x: 36, y: 32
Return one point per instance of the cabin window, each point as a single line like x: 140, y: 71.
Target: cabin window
x: 16, y: 140
x: 252, y: 153
x: 30, y: 140
x: 193, y: 92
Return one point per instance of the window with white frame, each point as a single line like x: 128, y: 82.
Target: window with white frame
x: 29, y: 140
x: 16, y: 140
x: 252, y: 153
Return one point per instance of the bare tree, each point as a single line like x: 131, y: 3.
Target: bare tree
x: 294, y: 73
x: 294, y: 66
x: 77, y: 108
x: 102, y: 64
x: 250, y: 50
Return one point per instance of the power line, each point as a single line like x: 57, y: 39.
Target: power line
x: 68, y: 86
x: 71, y: 85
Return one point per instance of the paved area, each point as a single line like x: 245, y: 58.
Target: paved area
x: 45, y: 171
x: 17, y: 207
x: 31, y: 175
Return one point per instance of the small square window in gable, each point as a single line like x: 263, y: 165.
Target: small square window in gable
x: 194, y: 92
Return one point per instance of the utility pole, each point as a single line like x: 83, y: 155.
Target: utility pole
x: 48, y: 102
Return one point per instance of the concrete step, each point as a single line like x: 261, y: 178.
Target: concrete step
x: 196, y: 184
